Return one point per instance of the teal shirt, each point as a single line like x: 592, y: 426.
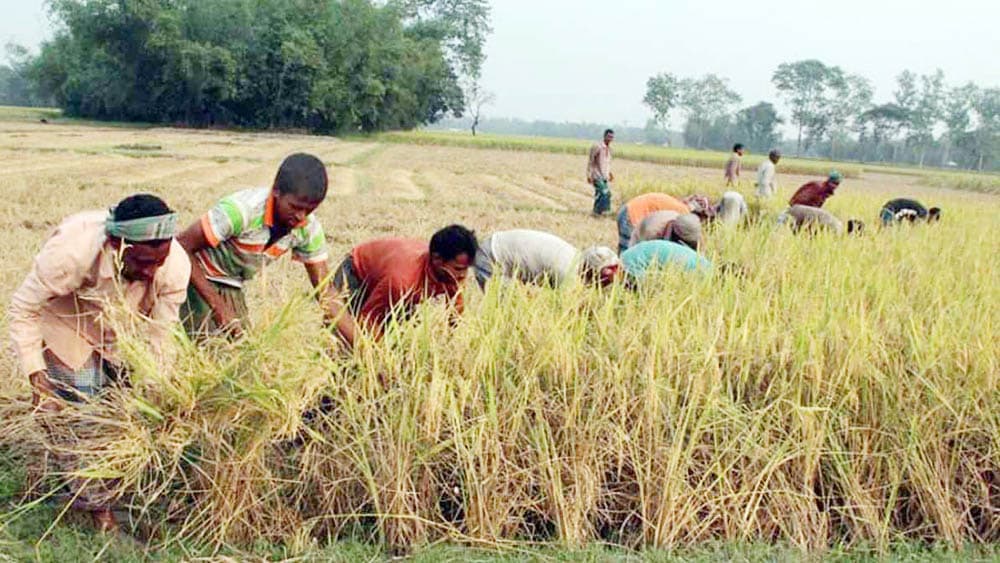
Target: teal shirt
x: 638, y: 259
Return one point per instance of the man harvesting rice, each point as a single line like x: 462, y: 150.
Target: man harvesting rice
x: 652, y: 255
x: 541, y: 258
x: 631, y: 214
x: 246, y: 231
x: 599, y: 173
x: 811, y: 219
x: 59, y: 316
x: 815, y: 194
x: 394, y: 275
x: 905, y: 209
x: 669, y: 225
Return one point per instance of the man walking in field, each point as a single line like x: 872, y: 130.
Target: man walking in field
x: 905, y: 209
x: 766, y: 184
x: 815, y: 194
x: 540, y: 258
x: 96, y: 264
x: 599, y: 173
x: 246, y: 231
x: 631, y: 214
x: 390, y: 277
x: 733, y: 165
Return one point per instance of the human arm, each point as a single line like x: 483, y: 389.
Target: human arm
x: 335, y: 311
x: 194, y: 239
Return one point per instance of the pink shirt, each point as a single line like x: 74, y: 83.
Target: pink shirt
x: 64, y: 302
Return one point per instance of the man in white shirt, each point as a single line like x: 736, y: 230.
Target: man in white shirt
x: 541, y: 258
x: 766, y: 186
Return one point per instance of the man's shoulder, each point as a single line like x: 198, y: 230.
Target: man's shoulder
x: 176, y: 270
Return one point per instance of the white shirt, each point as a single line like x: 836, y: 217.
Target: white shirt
x: 532, y: 256
x: 731, y: 208
x: 766, y: 186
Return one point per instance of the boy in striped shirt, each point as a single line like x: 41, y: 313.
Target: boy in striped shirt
x: 247, y: 230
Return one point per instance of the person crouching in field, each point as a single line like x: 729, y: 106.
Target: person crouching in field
x: 652, y: 255
x: 812, y: 219
x: 94, y: 263
x: 669, y: 225
x: 732, y: 173
x: 599, y: 173
x: 631, y: 214
x: 394, y: 275
x: 731, y: 209
x: 815, y: 194
x: 246, y: 231
x: 766, y: 184
x: 910, y: 210
x: 540, y: 258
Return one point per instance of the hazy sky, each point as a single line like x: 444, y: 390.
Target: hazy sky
x: 588, y: 60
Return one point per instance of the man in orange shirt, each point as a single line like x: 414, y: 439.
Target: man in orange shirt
x: 638, y: 208
x: 95, y: 265
x: 392, y: 276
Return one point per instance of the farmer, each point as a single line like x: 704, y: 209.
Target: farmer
x: 246, y: 231
x: 95, y: 265
x: 814, y: 194
x: 733, y: 165
x: 812, y: 219
x: 599, y: 173
x: 766, y: 186
x: 541, y: 258
x: 650, y: 255
x: 391, y: 275
x: 669, y: 225
x: 904, y: 209
x: 731, y: 208
x: 631, y: 214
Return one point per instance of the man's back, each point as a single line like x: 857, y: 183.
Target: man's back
x: 812, y: 194
x: 533, y: 255
x: 643, y: 205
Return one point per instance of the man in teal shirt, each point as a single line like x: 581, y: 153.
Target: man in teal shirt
x: 656, y: 254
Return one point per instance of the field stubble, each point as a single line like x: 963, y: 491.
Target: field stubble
x: 843, y: 392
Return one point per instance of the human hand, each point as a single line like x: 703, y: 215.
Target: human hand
x: 43, y: 393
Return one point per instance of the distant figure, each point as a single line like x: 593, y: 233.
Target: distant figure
x: 811, y: 219
x: 651, y: 255
x: 599, y: 173
x: 540, y: 258
x: 669, y: 225
x: 903, y: 209
x: 815, y: 194
x: 731, y: 208
x: 43, y: 120
x: 388, y: 277
x: 766, y: 186
x: 733, y: 166
x: 631, y: 214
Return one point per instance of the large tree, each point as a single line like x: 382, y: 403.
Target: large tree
x: 923, y: 99
x: 850, y: 98
x: 706, y: 101
x: 757, y: 127
x: 662, y: 94
x: 805, y: 87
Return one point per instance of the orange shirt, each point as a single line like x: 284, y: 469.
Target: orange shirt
x: 396, y: 272
x: 640, y: 207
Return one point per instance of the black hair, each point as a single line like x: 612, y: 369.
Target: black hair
x: 855, y: 226
x: 606, y: 131
x: 737, y: 147
x: 453, y: 240
x: 140, y: 206
x: 934, y: 214
x: 304, y: 175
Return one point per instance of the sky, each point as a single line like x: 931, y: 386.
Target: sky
x: 588, y: 60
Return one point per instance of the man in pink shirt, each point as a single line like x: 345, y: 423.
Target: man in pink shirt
x: 95, y: 265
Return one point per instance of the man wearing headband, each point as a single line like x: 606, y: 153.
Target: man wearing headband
x: 59, y: 315
x: 250, y: 229
x: 541, y: 258
x: 815, y: 194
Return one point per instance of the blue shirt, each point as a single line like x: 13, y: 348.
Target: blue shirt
x: 657, y: 253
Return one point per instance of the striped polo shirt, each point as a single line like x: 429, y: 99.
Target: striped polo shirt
x: 238, y: 228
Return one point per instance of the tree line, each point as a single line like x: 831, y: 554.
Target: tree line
x: 834, y: 115
x: 323, y: 65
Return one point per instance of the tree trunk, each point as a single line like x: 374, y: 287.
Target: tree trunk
x: 798, y: 144
x: 923, y: 153
x: 981, y: 158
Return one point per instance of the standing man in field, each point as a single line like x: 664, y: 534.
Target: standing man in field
x: 246, y: 231
x: 388, y: 277
x: 631, y: 214
x: 905, y: 209
x: 815, y: 194
x: 733, y: 165
x: 766, y: 184
x: 94, y: 265
x: 540, y: 258
x: 599, y: 173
